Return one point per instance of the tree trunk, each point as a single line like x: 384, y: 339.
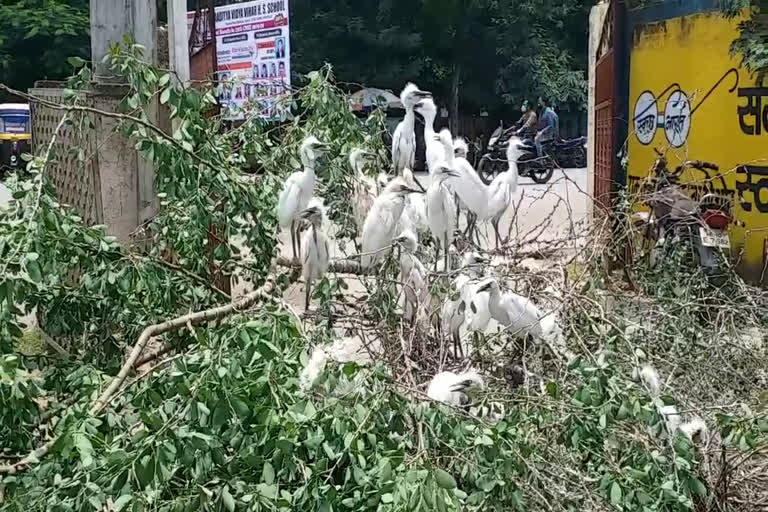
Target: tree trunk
x: 454, y: 112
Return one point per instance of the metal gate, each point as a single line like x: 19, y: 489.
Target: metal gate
x: 605, y: 111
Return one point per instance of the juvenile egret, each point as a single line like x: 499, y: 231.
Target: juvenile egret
x: 453, y: 311
x: 435, y: 152
x: 452, y: 389
x: 415, y: 213
x: 413, y: 277
x: 365, y: 189
x: 440, y: 210
x: 382, y: 220
x: 517, y: 313
x: 498, y: 195
x: 315, y: 255
x: 298, y: 190
x: 404, y: 138
x: 471, y: 191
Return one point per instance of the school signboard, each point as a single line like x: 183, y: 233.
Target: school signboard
x: 253, y: 54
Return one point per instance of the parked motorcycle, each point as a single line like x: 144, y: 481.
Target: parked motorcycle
x: 571, y: 153
x: 700, y: 222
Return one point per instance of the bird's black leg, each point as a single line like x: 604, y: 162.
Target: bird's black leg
x: 457, y: 348
x: 293, y: 239
x: 445, y: 243
x: 437, y: 253
x: 307, y: 292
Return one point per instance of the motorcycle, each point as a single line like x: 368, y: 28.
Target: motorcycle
x: 571, y: 153
x: 530, y: 164
x: 675, y: 217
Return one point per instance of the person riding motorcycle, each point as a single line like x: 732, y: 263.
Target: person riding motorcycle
x: 526, y: 125
x: 549, y: 125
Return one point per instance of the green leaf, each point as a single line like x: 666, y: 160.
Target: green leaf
x: 122, y: 501
x: 616, y: 493
x: 164, y: 80
x: 165, y: 95
x: 387, y: 498
x: 697, y: 487
x: 84, y: 448
x: 268, y: 491
x: 227, y: 499
x: 76, y: 62
x: 33, y: 269
x: 444, y: 479
x: 268, y: 474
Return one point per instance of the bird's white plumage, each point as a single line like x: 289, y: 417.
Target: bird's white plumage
x: 315, y: 252
x: 364, y: 190
x: 413, y: 278
x: 451, y: 388
x: 441, y: 208
x: 435, y: 152
x: 382, y: 221
x: 404, y: 138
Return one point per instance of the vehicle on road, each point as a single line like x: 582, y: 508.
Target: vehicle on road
x: 14, y: 135
x: 530, y: 164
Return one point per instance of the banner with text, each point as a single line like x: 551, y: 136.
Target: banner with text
x: 253, y: 54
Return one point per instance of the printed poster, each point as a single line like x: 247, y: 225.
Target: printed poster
x: 253, y: 53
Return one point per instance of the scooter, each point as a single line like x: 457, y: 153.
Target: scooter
x: 530, y: 164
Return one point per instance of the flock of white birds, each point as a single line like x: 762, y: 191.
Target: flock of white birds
x: 395, y: 212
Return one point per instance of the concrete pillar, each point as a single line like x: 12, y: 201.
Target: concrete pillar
x: 178, y: 44
x: 596, y: 19
x: 111, y: 20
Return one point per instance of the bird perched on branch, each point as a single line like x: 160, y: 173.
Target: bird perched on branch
x: 440, y: 210
x: 452, y: 389
x: 365, y: 188
x: 453, y: 312
x: 298, y: 190
x: 315, y: 254
x: 381, y: 223
x: 404, y: 138
x: 413, y: 278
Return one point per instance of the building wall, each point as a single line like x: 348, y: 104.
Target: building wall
x: 688, y: 98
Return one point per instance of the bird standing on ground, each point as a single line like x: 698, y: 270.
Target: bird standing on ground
x: 440, y: 210
x: 365, y: 189
x: 404, y: 138
x: 298, y: 190
x: 315, y: 254
x: 413, y: 278
x: 382, y: 221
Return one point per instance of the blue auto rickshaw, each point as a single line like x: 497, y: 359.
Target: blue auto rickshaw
x: 15, y: 134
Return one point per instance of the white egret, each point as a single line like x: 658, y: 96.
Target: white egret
x: 315, y: 254
x: 298, y: 190
x: 413, y: 278
x: 492, y: 201
x: 382, y: 220
x: 452, y: 389
x: 440, y: 210
x: 404, y: 138
x: 518, y: 314
x: 453, y: 311
x: 435, y: 152
x: 365, y: 188
x: 415, y: 213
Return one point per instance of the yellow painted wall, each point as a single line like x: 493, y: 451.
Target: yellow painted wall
x: 693, y: 51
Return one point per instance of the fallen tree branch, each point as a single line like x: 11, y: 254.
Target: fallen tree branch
x: 153, y: 330
x: 338, y: 266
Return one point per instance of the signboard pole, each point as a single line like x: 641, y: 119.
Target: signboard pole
x: 214, y: 49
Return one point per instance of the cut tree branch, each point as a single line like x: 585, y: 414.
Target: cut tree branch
x: 263, y: 293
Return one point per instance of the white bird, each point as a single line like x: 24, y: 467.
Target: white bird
x: 413, y: 278
x: 492, y: 201
x: 365, y: 189
x: 453, y: 311
x: 380, y: 226
x: 415, y: 213
x: 315, y: 255
x: 519, y: 314
x: 451, y: 388
x: 440, y: 210
x: 298, y: 190
x: 404, y: 138
x: 435, y: 151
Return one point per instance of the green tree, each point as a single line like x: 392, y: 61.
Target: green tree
x: 752, y: 43
x: 37, y: 37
